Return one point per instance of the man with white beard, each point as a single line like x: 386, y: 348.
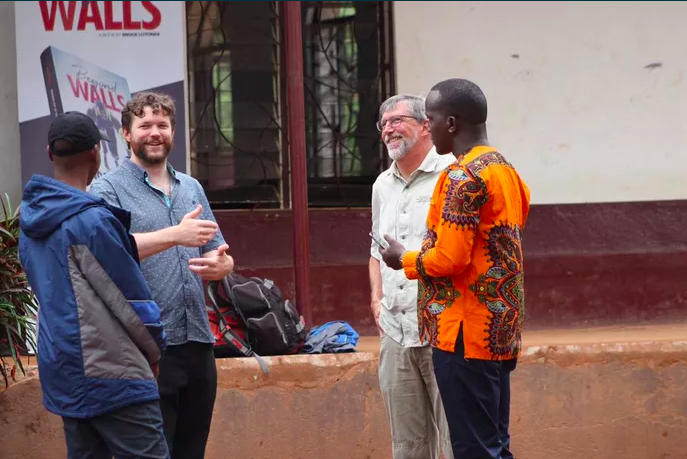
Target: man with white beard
x: 400, y: 202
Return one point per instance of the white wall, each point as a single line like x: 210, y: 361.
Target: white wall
x: 577, y: 112
x: 10, y: 159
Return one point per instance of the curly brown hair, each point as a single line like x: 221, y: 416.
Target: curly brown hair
x: 158, y: 102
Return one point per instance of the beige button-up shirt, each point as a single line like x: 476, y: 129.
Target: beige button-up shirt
x: 399, y: 209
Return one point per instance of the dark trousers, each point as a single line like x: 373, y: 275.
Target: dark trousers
x: 188, y: 386
x: 476, y: 398
x: 131, y: 432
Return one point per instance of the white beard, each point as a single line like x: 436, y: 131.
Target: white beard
x: 401, y: 149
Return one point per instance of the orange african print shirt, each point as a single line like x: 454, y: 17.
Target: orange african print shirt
x: 470, y: 267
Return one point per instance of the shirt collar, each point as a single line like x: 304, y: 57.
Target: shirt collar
x: 429, y: 164
x: 474, y: 152
x: 431, y: 161
x: 141, y: 173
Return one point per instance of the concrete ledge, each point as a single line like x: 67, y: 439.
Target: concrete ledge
x: 601, y: 401
x: 572, y: 398
x: 304, y: 371
x: 308, y: 407
x: 27, y: 430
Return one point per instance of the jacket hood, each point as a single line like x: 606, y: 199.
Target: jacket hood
x: 47, y: 202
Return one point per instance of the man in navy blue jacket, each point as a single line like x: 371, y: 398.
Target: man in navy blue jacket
x: 100, y: 337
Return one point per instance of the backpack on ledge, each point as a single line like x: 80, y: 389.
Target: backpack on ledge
x: 255, y: 309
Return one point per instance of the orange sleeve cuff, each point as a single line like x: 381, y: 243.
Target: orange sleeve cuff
x: 410, y: 264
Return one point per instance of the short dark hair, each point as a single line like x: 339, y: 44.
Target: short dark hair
x: 462, y: 99
x: 158, y: 102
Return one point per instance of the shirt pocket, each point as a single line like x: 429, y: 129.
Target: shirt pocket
x: 420, y: 211
x: 386, y: 221
x: 184, y: 203
x: 385, y: 303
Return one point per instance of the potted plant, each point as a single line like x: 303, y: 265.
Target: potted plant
x: 18, y: 304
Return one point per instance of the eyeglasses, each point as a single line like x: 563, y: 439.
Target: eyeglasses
x: 394, y: 121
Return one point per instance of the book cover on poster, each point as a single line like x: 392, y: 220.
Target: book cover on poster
x: 93, y: 57
x: 73, y: 84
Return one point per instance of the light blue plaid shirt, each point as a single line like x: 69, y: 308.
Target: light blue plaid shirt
x: 177, y: 290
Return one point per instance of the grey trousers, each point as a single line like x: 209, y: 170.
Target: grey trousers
x: 418, y: 424
x: 131, y: 432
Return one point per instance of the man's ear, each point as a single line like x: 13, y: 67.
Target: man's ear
x: 452, y: 123
x: 95, y: 152
x: 47, y: 150
x: 127, y: 137
x: 425, y: 128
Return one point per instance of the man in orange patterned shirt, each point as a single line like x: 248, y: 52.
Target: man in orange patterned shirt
x: 470, y: 272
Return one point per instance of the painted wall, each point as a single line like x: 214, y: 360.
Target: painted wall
x: 587, y: 99
x: 10, y: 160
x: 585, y: 264
x: 578, y: 105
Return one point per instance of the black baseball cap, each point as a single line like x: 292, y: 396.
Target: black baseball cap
x: 77, y: 128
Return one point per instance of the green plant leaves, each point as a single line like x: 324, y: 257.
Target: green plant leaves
x: 18, y: 304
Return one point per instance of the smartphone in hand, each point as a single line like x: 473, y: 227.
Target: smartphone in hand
x: 379, y: 241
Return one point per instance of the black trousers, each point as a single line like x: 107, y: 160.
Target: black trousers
x: 476, y: 398
x: 132, y: 432
x: 188, y: 387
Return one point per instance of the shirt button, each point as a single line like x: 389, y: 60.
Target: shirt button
x: 403, y: 237
x: 400, y: 287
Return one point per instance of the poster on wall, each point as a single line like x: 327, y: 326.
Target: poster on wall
x: 92, y: 57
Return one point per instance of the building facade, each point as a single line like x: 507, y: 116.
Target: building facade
x: 586, y: 100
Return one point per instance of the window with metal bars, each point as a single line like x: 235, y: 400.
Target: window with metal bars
x: 239, y: 148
